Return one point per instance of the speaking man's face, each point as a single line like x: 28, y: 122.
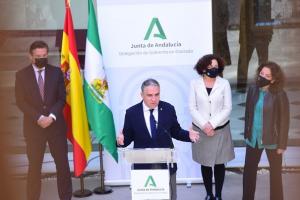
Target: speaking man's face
x: 151, y: 96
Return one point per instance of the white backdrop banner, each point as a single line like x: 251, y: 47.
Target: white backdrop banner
x: 160, y: 39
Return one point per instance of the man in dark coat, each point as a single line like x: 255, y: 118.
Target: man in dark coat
x: 40, y: 95
x: 152, y: 124
x: 255, y: 33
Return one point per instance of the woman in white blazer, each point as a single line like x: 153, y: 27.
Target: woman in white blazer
x: 210, y: 107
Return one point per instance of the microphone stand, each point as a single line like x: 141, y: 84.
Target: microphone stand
x: 171, y: 145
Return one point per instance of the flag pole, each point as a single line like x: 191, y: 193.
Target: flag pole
x: 102, y: 189
x: 82, y: 192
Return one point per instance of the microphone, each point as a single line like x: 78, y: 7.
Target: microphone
x: 169, y: 137
x: 171, y: 145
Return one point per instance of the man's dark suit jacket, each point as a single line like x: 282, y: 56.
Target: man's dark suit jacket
x: 135, y: 130
x: 30, y: 102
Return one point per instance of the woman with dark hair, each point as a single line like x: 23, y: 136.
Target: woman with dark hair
x: 266, y: 127
x: 210, y: 106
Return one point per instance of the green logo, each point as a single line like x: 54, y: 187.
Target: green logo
x: 150, y: 182
x: 161, y: 34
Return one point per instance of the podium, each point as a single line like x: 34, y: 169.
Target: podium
x: 150, y: 184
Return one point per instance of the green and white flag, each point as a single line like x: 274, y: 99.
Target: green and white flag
x: 96, y: 95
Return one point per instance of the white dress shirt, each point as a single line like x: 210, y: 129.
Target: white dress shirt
x: 146, y: 110
x: 36, y: 73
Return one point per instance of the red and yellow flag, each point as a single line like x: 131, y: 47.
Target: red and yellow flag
x: 74, y: 111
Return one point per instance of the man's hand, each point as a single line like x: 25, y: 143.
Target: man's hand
x: 44, y: 121
x: 194, y: 135
x: 280, y: 151
x: 120, y: 138
x: 41, y: 121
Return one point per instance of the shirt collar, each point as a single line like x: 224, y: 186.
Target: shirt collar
x: 146, y: 108
x: 36, y: 69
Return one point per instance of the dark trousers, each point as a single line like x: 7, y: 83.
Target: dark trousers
x: 35, y: 153
x: 245, y: 55
x: 250, y: 171
x: 221, y: 46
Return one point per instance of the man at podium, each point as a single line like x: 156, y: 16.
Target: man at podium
x: 152, y: 124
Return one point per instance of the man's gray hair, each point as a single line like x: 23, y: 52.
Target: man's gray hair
x: 149, y: 82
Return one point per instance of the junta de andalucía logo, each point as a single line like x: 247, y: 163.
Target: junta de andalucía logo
x: 160, y: 34
x: 150, y: 182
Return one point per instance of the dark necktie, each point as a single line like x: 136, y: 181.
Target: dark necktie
x: 41, y: 83
x: 152, y: 124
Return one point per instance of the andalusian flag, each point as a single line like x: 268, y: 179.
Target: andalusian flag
x: 74, y: 111
x: 96, y: 89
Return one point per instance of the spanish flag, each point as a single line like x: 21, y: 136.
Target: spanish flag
x: 74, y: 111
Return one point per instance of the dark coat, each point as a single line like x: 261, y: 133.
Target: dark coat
x: 29, y: 100
x: 135, y: 129
x: 275, y: 117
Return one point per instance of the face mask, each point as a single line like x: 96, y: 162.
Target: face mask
x: 262, y: 81
x: 212, y: 73
x: 41, y: 62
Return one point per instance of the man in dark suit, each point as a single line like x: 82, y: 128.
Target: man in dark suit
x: 152, y: 124
x: 40, y: 95
x: 254, y: 34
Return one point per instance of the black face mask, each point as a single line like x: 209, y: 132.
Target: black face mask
x: 262, y: 81
x: 41, y: 62
x: 212, y: 73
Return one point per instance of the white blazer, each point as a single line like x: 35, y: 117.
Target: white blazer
x: 214, y: 108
